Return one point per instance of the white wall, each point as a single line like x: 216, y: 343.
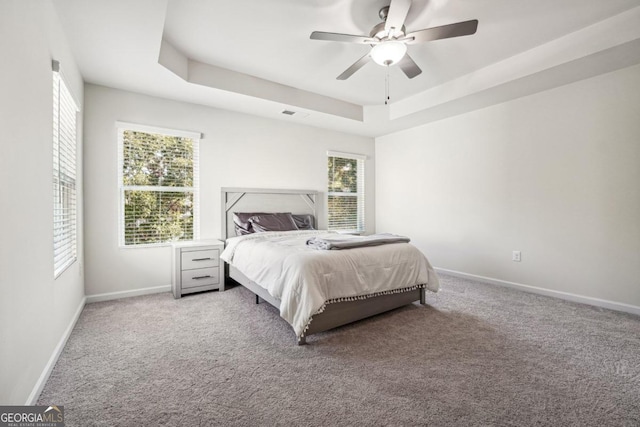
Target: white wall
x: 555, y: 175
x: 237, y: 151
x: 35, y: 309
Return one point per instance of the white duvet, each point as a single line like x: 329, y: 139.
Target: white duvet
x: 305, y: 279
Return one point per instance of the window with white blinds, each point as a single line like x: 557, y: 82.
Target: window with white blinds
x: 64, y: 175
x: 345, y: 196
x: 158, y: 179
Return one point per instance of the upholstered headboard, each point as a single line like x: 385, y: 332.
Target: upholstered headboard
x: 265, y: 200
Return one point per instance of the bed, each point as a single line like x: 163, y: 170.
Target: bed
x: 317, y: 304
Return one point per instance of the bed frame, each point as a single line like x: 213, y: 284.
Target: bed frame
x: 301, y: 202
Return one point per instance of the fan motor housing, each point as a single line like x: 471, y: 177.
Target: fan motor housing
x: 379, y: 32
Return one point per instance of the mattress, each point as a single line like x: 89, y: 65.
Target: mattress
x: 305, y: 280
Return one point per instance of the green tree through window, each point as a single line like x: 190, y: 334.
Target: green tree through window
x: 345, y: 198
x: 159, y: 187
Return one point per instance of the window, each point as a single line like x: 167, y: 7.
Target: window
x: 158, y: 178
x: 346, y: 191
x: 64, y: 175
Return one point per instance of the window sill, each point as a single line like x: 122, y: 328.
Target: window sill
x: 64, y: 268
x: 150, y: 245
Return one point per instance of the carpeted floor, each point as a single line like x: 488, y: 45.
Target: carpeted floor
x: 477, y: 355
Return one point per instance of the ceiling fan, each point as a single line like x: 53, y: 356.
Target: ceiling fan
x: 389, y: 39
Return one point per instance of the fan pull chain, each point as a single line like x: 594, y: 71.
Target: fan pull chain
x: 387, y: 97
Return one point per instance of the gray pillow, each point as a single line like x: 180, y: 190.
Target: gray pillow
x: 304, y: 221
x: 272, y: 222
x: 241, y: 222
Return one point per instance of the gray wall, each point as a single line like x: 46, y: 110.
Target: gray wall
x: 555, y: 175
x: 36, y: 311
x: 237, y: 150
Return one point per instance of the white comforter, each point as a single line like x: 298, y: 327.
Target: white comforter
x: 305, y: 280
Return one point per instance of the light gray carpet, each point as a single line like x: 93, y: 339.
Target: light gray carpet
x: 478, y: 355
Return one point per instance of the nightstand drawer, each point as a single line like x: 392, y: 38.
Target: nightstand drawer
x: 200, y: 259
x: 200, y: 277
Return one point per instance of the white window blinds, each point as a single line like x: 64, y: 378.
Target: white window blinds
x: 64, y: 175
x: 345, y: 196
x: 158, y: 179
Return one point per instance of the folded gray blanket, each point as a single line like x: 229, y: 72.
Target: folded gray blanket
x: 347, y: 241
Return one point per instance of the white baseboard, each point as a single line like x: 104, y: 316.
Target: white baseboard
x: 126, y: 294
x: 46, y: 372
x: 612, y: 305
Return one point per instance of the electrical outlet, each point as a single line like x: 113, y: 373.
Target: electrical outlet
x: 516, y: 256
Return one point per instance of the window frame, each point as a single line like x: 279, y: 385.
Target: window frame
x: 195, y: 189
x: 359, y: 194
x: 64, y: 173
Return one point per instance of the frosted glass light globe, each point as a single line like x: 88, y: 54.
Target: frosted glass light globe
x: 388, y: 52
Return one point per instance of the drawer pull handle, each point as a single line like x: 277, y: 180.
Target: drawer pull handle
x: 202, y: 277
x: 201, y: 259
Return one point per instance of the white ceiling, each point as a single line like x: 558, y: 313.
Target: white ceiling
x: 520, y: 46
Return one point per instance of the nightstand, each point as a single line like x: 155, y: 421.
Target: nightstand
x: 197, y: 267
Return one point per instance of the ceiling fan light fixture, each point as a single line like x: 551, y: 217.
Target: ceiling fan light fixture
x: 388, y: 52
x: 389, y: 39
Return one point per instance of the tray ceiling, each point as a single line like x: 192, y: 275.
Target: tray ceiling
x: 256, y: 56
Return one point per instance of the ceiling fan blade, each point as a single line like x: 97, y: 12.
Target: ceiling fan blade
x: 465, y: 28
x: 409, y: 67
x: 398, y: 10
x: 337, y: 37
x: 355, y: 67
